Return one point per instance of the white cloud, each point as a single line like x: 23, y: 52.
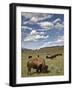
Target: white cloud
x: 60, y: 38
x: 29, y: 15
x: 26, y: 14
x: 57, y: 20
x: 59, y: 26
x: 46, y: 44
x: 25, y: 27
x: 34, y: 36
x: 58, y: 42
x: 50, y: 25
x: 46, y: 25
x: 42, y: 33
x: 34, y: 32
x: 35, y: 17
x: 25, y: 22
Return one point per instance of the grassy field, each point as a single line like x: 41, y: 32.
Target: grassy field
x: 55, y: 66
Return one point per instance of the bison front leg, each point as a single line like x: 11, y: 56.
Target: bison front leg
x: 39, y: 68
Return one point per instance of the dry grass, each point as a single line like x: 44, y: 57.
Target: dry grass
x: 55, y: 66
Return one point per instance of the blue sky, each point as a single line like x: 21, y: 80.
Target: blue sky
x: 39, y: 30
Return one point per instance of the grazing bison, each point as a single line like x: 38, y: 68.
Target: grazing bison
x: 58, y: 54
x: 53, y: 56
x: 38, y: 64
x: 29, y: 56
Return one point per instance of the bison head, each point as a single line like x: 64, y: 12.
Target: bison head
x: 45, y: 68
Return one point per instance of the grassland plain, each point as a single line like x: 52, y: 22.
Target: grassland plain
x: 55, y: 65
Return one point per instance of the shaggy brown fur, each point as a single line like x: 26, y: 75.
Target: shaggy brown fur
x: 38, y: 64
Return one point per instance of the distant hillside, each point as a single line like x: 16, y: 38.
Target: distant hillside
x: 55, y: 49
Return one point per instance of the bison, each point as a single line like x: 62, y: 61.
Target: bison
x: 53, y: 56
x: 38, y: 64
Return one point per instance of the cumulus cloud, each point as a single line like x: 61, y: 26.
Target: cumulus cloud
x: 58, y: 42
x: 59, y: 26
x: 25, y: 27
x: 30, y: 15
x: 36, y: 19
x: 46, y: 25
x: 57, y: 20
x: 38, y: 34
x: 25, y: 22
x: 34, y: 32
x: 34, y: 36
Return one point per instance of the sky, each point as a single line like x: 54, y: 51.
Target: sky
x: 39, y: 30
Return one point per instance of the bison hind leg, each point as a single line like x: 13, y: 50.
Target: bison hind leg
x: 29, y: 71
